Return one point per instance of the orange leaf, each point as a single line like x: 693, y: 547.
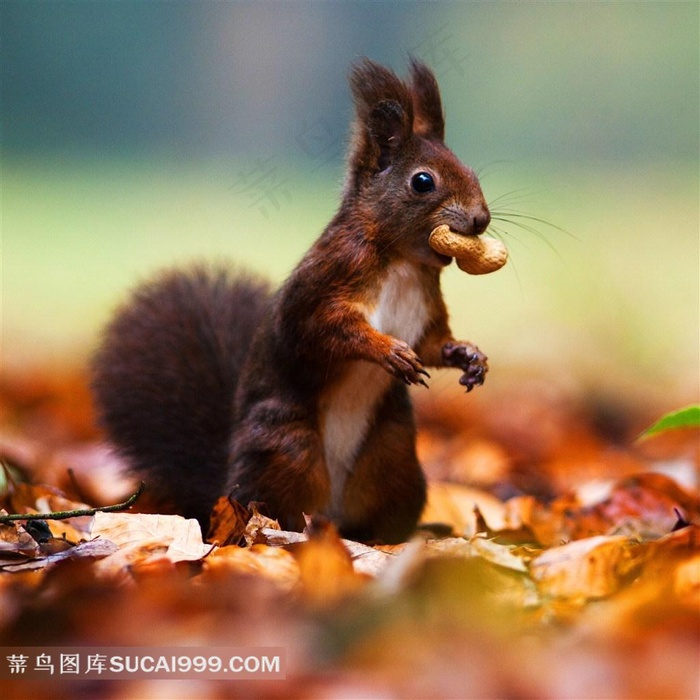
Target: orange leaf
x: 227, y: 522
x: 590, y: 568
x: 273, y: 563
x: 453, y: 504
x: 325, y: 566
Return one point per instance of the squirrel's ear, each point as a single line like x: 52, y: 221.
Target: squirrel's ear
x: 427, y: 105
x: 389, y: 127
x: 384, y: 116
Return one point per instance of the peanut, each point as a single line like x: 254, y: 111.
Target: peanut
x: 477, y: 255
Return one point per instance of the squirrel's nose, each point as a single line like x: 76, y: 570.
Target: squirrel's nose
x: 481, y: 220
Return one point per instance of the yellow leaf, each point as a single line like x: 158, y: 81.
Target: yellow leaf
x: 326, y: 568
x: 686, y: 582
x: 589, y: 568
x: 499, y: 554
x: 453, y: 504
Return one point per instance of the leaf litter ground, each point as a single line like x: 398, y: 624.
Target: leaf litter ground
x: 556, y: 559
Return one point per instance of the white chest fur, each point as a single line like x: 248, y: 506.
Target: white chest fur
x: 400, y: 310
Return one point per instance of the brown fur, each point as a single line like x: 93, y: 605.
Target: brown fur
x: 324, y: 365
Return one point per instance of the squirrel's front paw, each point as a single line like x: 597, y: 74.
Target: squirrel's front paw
x: 469, y: 359
x: 403, y: 363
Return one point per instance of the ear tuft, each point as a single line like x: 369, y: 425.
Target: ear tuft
x: 372, y: 83
x: 384, y: 116
x: 427, y: 105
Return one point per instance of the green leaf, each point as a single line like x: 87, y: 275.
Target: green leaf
x: 688, y: 417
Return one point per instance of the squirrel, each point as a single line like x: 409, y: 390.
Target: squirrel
x: 208, y: 383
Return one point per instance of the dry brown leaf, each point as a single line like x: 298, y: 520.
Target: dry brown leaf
x: 256, y: 524
x: 126, y: 558
x: 39, y: 498
x: 449, y: 546
x: 177, y: 538
x: 326, y: 569
x: 523, y: 534
x: 227, y: 522
x: 671, y: 554
x: 411, y: 556
x: 499, y: 554
x: 368, y: 560
x: 280, y: 538
x: 70, y: 530
x: 639, y: 641
x: 686, y: 582
x: 365, y: 559
x: 550, y: 523
x: 594, y: 567
x: 97, y: 549
x: 146, y: 568
x: 401, y: 565
x: 15, y: 540
x: 643, y: 506
x: 273, y: 563
x: 453, y: 504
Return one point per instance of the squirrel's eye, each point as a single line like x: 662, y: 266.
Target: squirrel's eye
x: 423, y: 182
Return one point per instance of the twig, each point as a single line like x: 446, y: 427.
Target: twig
x: 63, y: 514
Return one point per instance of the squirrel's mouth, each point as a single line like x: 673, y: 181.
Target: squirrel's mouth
x: 441, y: 260
x: 444, y: 260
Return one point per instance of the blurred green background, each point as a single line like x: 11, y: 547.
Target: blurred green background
x: 142, y: 134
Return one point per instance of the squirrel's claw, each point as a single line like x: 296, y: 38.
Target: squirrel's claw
x: 469, y: 359
x: 403, y: 363
x: 473, y: 377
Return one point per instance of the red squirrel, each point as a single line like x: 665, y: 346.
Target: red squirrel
x: 208, y: 384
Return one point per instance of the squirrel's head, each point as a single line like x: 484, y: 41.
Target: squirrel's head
x: 401, y: 176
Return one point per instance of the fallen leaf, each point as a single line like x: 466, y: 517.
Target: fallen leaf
x: 507, y: 535
x: 178, y: 538
x: 97, y: 549
x: 257, y: 523
x: 450, y: 617
x: 454, y: 504
x: 273, y: 563
x: 15, y: 540
x: 326, y: 568
x: 642, y: 506
x: 280, y: 538
x: 365, y: 559
x: 227, y: 522
x: 122, y: 562
x: 594, y: 567
x: 499, y: 554
x: 399, y: 567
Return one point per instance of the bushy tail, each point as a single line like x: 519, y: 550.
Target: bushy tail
x: 165, y: 375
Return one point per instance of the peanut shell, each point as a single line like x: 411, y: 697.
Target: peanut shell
x: 477, y: 255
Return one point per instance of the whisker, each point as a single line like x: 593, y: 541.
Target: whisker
x: 530, y: 217
x: 483, y: 169
x: 514, y: 196
x: 529, y: 229
x: 500, y: 233
x: 514, y: 267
